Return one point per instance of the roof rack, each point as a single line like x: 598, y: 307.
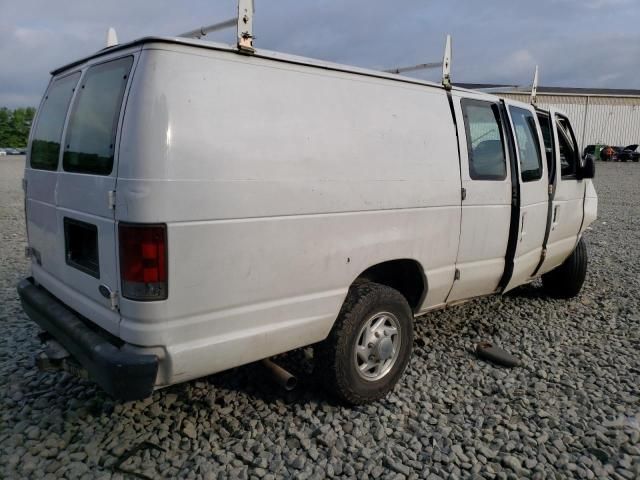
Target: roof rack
x: 534, y: 87
x: 243, y: 22
x: 445, y: 64
x: 244, y: 25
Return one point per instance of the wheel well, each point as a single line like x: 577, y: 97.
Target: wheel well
x: 405, y: 275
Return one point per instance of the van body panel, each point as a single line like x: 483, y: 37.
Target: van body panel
x: 103, y: 316
x: 286, y: 154
x: 226, y: 268
x: 232, y: 226
x: 41, y: 216
x: 590, y: 206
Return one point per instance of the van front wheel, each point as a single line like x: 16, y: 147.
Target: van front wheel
x: 369, y: 346
x: 566, y: 280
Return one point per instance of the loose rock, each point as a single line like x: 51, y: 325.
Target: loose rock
x: 570, y: 409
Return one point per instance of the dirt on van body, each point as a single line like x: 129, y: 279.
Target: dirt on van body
x: 572, y: 409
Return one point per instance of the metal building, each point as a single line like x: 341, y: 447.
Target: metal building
x: 598, y: 115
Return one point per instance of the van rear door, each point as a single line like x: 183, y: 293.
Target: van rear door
x: 78, y: 262
x: 41, y: 174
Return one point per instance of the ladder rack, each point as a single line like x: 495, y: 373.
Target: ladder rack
x: 445, y: 64
x: 244, y: 41
x: 243, y: 22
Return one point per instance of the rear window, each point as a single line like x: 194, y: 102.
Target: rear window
x: 45, y: 145
x: 92, y: 127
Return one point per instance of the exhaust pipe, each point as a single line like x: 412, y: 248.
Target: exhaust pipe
x: 56, y: 358
x: 285, y: 379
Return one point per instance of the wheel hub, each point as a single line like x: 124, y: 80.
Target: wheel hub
x: 377, y: 346
x: 384, y: 348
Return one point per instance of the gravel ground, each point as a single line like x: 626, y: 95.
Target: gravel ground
x: 572, y: 409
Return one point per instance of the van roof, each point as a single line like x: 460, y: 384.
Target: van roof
x: 260, y: 53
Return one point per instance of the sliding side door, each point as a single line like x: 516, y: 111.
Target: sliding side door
x: 534, y: 192
x: 486, y: 191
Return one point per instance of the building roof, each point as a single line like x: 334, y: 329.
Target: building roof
x: 502, y: 88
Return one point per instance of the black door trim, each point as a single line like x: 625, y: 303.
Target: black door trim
x: 514, y: 223
x: 455, y: 127
x: 551, y: 189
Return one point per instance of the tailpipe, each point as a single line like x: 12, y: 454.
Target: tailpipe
x: 285, y: 379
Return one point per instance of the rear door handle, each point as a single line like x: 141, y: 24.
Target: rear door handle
x: 523, y: 233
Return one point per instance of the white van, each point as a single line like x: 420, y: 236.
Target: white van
x: 190, y: 209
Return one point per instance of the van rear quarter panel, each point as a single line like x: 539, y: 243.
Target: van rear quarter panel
x: 279, y: 184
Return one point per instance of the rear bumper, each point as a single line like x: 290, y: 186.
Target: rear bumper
x: 123, y: 374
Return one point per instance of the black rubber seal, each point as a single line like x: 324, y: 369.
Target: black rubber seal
x: 551, y: 194
x: 514, y: 223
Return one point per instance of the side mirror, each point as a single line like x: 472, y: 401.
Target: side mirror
x: 588, y: 168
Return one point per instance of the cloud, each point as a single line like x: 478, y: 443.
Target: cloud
x: 519, y: 64
x: 575, y: 42
x: 600, y: 4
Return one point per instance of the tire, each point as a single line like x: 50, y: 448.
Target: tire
x: 566, y: 280
x: 337, y: 359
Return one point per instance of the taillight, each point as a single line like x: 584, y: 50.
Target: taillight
x: 143, y: 261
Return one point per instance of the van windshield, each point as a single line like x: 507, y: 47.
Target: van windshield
x: 90, y: 140
x: 45, y: 146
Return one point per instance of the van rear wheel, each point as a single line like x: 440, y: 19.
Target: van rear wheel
x: 566, y: 280
x: 369, y: 346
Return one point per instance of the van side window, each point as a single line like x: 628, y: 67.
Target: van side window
x: 545, y: 126
x: 568, y: 148
x: 90, y: 140
x: 45, y: 145
x: 528, y: 146
x: 485, y: 142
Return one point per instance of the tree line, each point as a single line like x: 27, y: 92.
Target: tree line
x: 14, y: 126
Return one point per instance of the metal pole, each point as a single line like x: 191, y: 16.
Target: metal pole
x: 446, y: 65
x: 420, y: 66
x: 584, y: 124
x: 202, y: 31
x: 534, y: 87
x: 246, y: 9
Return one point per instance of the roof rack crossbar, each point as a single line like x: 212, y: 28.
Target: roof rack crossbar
x: 243, y: 22
x: 420, y: 66
x: 445, y: 64
x: 202, y: 31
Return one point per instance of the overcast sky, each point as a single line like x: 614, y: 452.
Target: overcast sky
x: 577, y: 43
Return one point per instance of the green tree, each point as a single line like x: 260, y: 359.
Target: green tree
x: 14, y: 126
x: 5, y: 116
